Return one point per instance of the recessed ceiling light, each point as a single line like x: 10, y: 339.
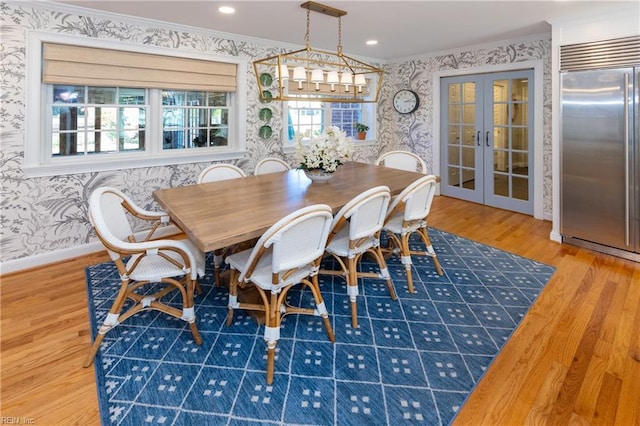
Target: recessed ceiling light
x: 226, y: 9
x: 372, y: 42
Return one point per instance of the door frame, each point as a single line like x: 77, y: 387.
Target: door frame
x: 538, y: 120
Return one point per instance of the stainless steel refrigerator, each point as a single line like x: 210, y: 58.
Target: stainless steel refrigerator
x: 600, y: 147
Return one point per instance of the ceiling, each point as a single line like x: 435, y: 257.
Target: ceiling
x: 402, y: 28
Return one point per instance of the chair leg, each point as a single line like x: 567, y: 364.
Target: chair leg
x: 430, y: 251
x: 197, y: 338
x: 321, y: 308
x: 110, y: 321
x: 384, y: 271
x: 271, y: 356
x: 93, y: 351
x: 272, y: 333
x: 352, y: 290
x: 189, y: 308
x: 405, y: 255
x: 233, y: 295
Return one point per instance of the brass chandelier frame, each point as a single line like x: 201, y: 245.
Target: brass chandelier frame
x: 342, y: 75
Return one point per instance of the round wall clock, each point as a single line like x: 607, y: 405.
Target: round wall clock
x: 405, y: 101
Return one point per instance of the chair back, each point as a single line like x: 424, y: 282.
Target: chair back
x: 415, y: 200
x: 109, y: 218
x: 222, y: 171
x: 365, y: 212
x: 404, y: 160
x: 297, y: 240
x: 270, y: 165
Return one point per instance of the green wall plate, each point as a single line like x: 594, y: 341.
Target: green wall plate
x: 266, y: 79
x: 265, y: 114
x: 265, y: 131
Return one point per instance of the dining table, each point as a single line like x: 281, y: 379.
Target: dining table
x: 219, y: 214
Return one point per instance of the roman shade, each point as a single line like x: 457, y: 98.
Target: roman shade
x: 72, y: 64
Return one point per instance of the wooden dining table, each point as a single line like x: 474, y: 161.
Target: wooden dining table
x: 220, y: 214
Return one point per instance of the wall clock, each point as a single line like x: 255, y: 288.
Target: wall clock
x: 405, y: 101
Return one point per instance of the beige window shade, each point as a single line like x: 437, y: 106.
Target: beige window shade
x: 69, y: 64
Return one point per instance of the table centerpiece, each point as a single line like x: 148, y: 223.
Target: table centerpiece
x: 321, y: 155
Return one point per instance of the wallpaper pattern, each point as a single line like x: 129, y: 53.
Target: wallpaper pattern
x: 42, y: 215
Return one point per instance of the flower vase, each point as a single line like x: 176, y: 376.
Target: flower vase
x: 318, y: 175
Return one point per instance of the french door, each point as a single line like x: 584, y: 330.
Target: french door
x: 487, y: 139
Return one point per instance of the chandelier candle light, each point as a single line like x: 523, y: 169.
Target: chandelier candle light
x: 322, y: 75
x: 321, y: 156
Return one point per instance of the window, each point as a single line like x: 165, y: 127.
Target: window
x: 90, y: 107
x: 194, y: 119
x: 308, y: 116
x: 88, y: 120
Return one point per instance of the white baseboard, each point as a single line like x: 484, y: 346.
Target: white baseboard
x: 42, y: 259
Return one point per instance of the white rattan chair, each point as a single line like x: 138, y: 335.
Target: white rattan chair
x: 408, y: 214
x: 270, y: 165
x: 221, y: 171
x: 355, y: 231
x: 214, y: 173
x: 175, y: 264
x: 403, y: 160
x: 287, y: 254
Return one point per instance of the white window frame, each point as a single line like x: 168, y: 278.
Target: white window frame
x: 368, y: 118
x: 37, y: 159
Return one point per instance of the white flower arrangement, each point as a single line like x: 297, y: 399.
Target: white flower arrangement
x: 325, y: 152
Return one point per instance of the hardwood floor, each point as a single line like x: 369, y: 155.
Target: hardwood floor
x: 575, y: 359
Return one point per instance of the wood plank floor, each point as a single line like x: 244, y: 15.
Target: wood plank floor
x: 575, y: 359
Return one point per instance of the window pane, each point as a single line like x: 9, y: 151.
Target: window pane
x: 197, y: 98
x: 68, y: 94
x: 345, y: 116
x: 308, y: 116
x: 454, y: 92
x: 127, y: 96
x: 469, y: 92
x: 217, y: 99
x: 189, y: 122
x: 100, y: 124
x: 101, y: 95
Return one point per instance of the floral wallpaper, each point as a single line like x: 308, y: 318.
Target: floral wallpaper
x: 48, y: 214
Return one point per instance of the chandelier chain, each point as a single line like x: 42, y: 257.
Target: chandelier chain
x: 307, y: 37
x: 339, y: 34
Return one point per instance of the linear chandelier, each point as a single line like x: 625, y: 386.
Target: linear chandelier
x: 318, y: 75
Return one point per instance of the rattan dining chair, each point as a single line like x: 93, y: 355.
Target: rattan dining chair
x: 214, y: 173
x: 407, y: 214
x: 404, y: 160
x: 220, y: 171
x: 287, y: 254
x: 174, y: 264
x: 356, y: 231
x: 270, y: 165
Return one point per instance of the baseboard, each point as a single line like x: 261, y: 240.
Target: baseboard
x: 42, y: 259
x: 555, y: 236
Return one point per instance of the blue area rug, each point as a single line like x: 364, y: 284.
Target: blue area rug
x: 413, y: 360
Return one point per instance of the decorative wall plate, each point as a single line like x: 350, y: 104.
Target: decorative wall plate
x: 266, y: 96
x: 265, y: 114
x: 265, y: 131
x: 266, y: 79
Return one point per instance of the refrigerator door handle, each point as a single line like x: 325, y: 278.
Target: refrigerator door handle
x: 626, y: 157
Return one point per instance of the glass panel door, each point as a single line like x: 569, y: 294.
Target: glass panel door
x: 464, y: 163
x: 487, y: 139
x: 508, y: 155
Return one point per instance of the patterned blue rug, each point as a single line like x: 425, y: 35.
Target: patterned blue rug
x: 413, y: 360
